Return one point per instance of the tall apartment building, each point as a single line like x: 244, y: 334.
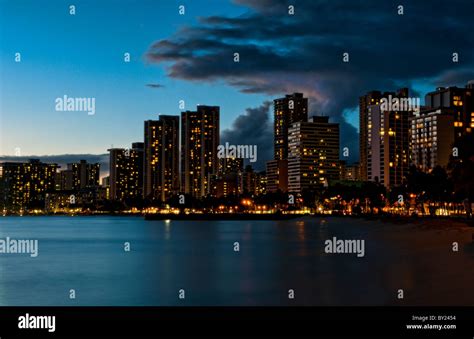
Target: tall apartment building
x: 432, y: 137
x: 126, y: 172
x: 288, y: 110
x: 199, y: 142
x: 384, y: 138
x: 229, y: 179
x: 24, y: 185
x: 388, y: 149
x: 457, y: 102
x: 313, y: 159
x: 253, y: 183
x: 277, y: 176
x: 82, y: 175
x: 448, y: 114
x: 365, y: 125
x: 161, y: 163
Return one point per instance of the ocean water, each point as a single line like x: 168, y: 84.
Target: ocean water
x: 86, y: 254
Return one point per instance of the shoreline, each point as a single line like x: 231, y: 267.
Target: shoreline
x: 396, y: 219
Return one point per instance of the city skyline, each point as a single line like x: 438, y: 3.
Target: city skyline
x: 400, y: 139
x: 104, y: 158
x: 158, y: 75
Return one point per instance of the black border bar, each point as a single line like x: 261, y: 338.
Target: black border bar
x: 290, y: 322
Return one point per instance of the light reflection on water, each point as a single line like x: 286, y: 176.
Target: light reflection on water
x: 87, y: 254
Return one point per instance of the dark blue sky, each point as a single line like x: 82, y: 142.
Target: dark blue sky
x: 190, y: 57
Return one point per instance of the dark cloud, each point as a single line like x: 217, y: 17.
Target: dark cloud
x: 155, y: 85
x: 454, y: 76
x: 64, y: 159
x: 282, y: 54
x: 254, y: 127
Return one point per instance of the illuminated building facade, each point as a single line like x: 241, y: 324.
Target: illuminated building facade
x: 161, y: 178
x: 458, y: 102
x: 229, y: 180
x: 288, y: 110
x: 83, y: 174
x: 277, y: 176
x: 388, y: 146
x: 260, y: 183
x: 351, y: 172
x: 371, y: 98
x: 230, y: 165
x: 432, y: 137
x: 249, y: 180
x: 199, y: 142
x: 24, y: 185
x: 313, y: 159
x: 379, y: 149
x: 126, y: 172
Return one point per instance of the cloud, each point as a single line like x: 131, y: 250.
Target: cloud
x: 64, y: 159
x: 454, y: 76
x: 254, y: 127
x: 154, y: 85
x: 280, y: 53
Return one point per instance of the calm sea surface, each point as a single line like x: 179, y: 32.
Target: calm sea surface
x: 87, y: 254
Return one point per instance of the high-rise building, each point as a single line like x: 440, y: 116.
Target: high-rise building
x: 447, y: 116
x: 78, y: 176
x: 161, y: 179
x: 250, y: 181
x: 288, y: 110
x: 118, y: 165
x: 277, y: 176
x: 199, y: 142
x: 65, y: 180
x: 229, y: 179
x: 313, y: 159
x: 260, y: 183
x: 24, y: 185
x: 106, y: 186
x: 388, y: 146
x: 84, y: 174
x: 432, y: 137
x: 126, y: 172
x: 225, y: 186
x: 371, y: 126
x: 136, y: 164
x: 230, y: 165
x: 458, y: 102
x: 371, y: 98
